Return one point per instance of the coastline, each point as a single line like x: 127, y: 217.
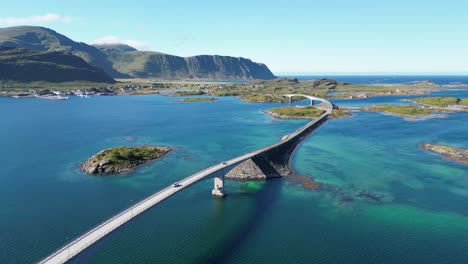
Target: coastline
x: 98, y: 171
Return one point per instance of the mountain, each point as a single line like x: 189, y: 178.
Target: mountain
x: 149, y: 64
x: 24, y: 65
x: 123, y: 61
x: 45, y: 39
x: 115, y: 47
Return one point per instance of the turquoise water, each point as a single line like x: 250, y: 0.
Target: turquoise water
x: 383, y: 199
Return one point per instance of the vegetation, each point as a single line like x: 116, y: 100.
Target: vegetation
x: 437, y: 101
x: 304, y: 112
x: 272, y: 90
x: 44, y: 39
x: 263, y: 98
x: 339, y: 113
x: 122, y: 61
x: 463, y: 101
x: 25, y: 65
x: 197, y: 99
x: 187, y: 93
x: 122, y: 159
x: 295, y: 112
x: 407, y: 110
x: 149, y: 64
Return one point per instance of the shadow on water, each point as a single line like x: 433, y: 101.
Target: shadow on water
x: 264, y: 201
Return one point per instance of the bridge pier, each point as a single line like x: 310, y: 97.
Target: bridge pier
x: 218, y: 189
x: 311, y: 102
x: 290, y: 99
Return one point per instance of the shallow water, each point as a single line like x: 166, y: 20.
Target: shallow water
x: 383, y: 199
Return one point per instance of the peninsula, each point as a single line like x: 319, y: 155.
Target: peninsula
x: 450, y: 153
x: 122, y: 159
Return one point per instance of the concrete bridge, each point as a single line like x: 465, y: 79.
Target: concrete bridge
x: 272, y: 161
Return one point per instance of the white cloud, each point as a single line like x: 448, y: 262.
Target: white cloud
x: 115, y: 40
x: 35, y: 20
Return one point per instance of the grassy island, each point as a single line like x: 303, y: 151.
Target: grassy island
x: 441, y: 101
x: 197, y: 99
x: 404, y: 110
x: 450, y: 153
x: 187, y: 93
x: 264, y: 98
x: 303, y: 112
x: 437, y: 101
x: 122, y: 159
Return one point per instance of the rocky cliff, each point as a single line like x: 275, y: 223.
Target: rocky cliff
x: 123, y: 61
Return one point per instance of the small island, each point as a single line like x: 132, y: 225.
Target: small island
x: 441, y: 101
x: 401, y: 110
x: 186, y: 93
x: 197, y: 99
x: 122, y: 159
x: 450, y: 153
x: 264, y: 98
x: 408, y: 112
x: 303, y: 112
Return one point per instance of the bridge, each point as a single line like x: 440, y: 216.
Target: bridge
x: 271, y: 161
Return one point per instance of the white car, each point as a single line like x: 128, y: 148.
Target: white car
x: 176, y: 184
x: 224, y: 163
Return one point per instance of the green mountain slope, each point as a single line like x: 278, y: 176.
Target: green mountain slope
x: 146, y: 64
x: 123, y: 61
x: 17, y: 64
x: 44, y: 39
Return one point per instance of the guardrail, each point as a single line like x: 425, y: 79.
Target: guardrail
x: 73, y: 248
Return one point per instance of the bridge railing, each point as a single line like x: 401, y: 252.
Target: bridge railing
x: 126, y: 215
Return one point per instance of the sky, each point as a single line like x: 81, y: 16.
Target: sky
x: 314, y: 36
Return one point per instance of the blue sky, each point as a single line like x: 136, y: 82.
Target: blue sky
x: 289, y: 36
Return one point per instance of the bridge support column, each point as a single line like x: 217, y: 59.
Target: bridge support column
x: 290, y: 99
x: 311, y: 102
x: 218, y: 189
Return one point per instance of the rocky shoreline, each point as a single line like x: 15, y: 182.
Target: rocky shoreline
x: 451, y: 153
x: 122, y: 159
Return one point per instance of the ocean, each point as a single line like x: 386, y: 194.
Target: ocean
x: 383, y: 199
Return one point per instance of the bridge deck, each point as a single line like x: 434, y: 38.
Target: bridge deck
x: 79, y: 244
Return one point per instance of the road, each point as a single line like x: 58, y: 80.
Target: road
x: 73, y: 248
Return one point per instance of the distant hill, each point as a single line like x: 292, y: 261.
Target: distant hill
x: 23, y: 65
x: 115, y: 47
x: 148, y: 64
x: 123, y: 61
x: 45, y: 39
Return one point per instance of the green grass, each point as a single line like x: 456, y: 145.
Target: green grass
x: 263, y: 98
x: 123, y: 156
x: 408, y: 110
x: 197, y: 99
x: 463, y: 101
x: 296, y: 112
x: 337, y: 113
x: 437, y: 101
x: 187, y: 93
